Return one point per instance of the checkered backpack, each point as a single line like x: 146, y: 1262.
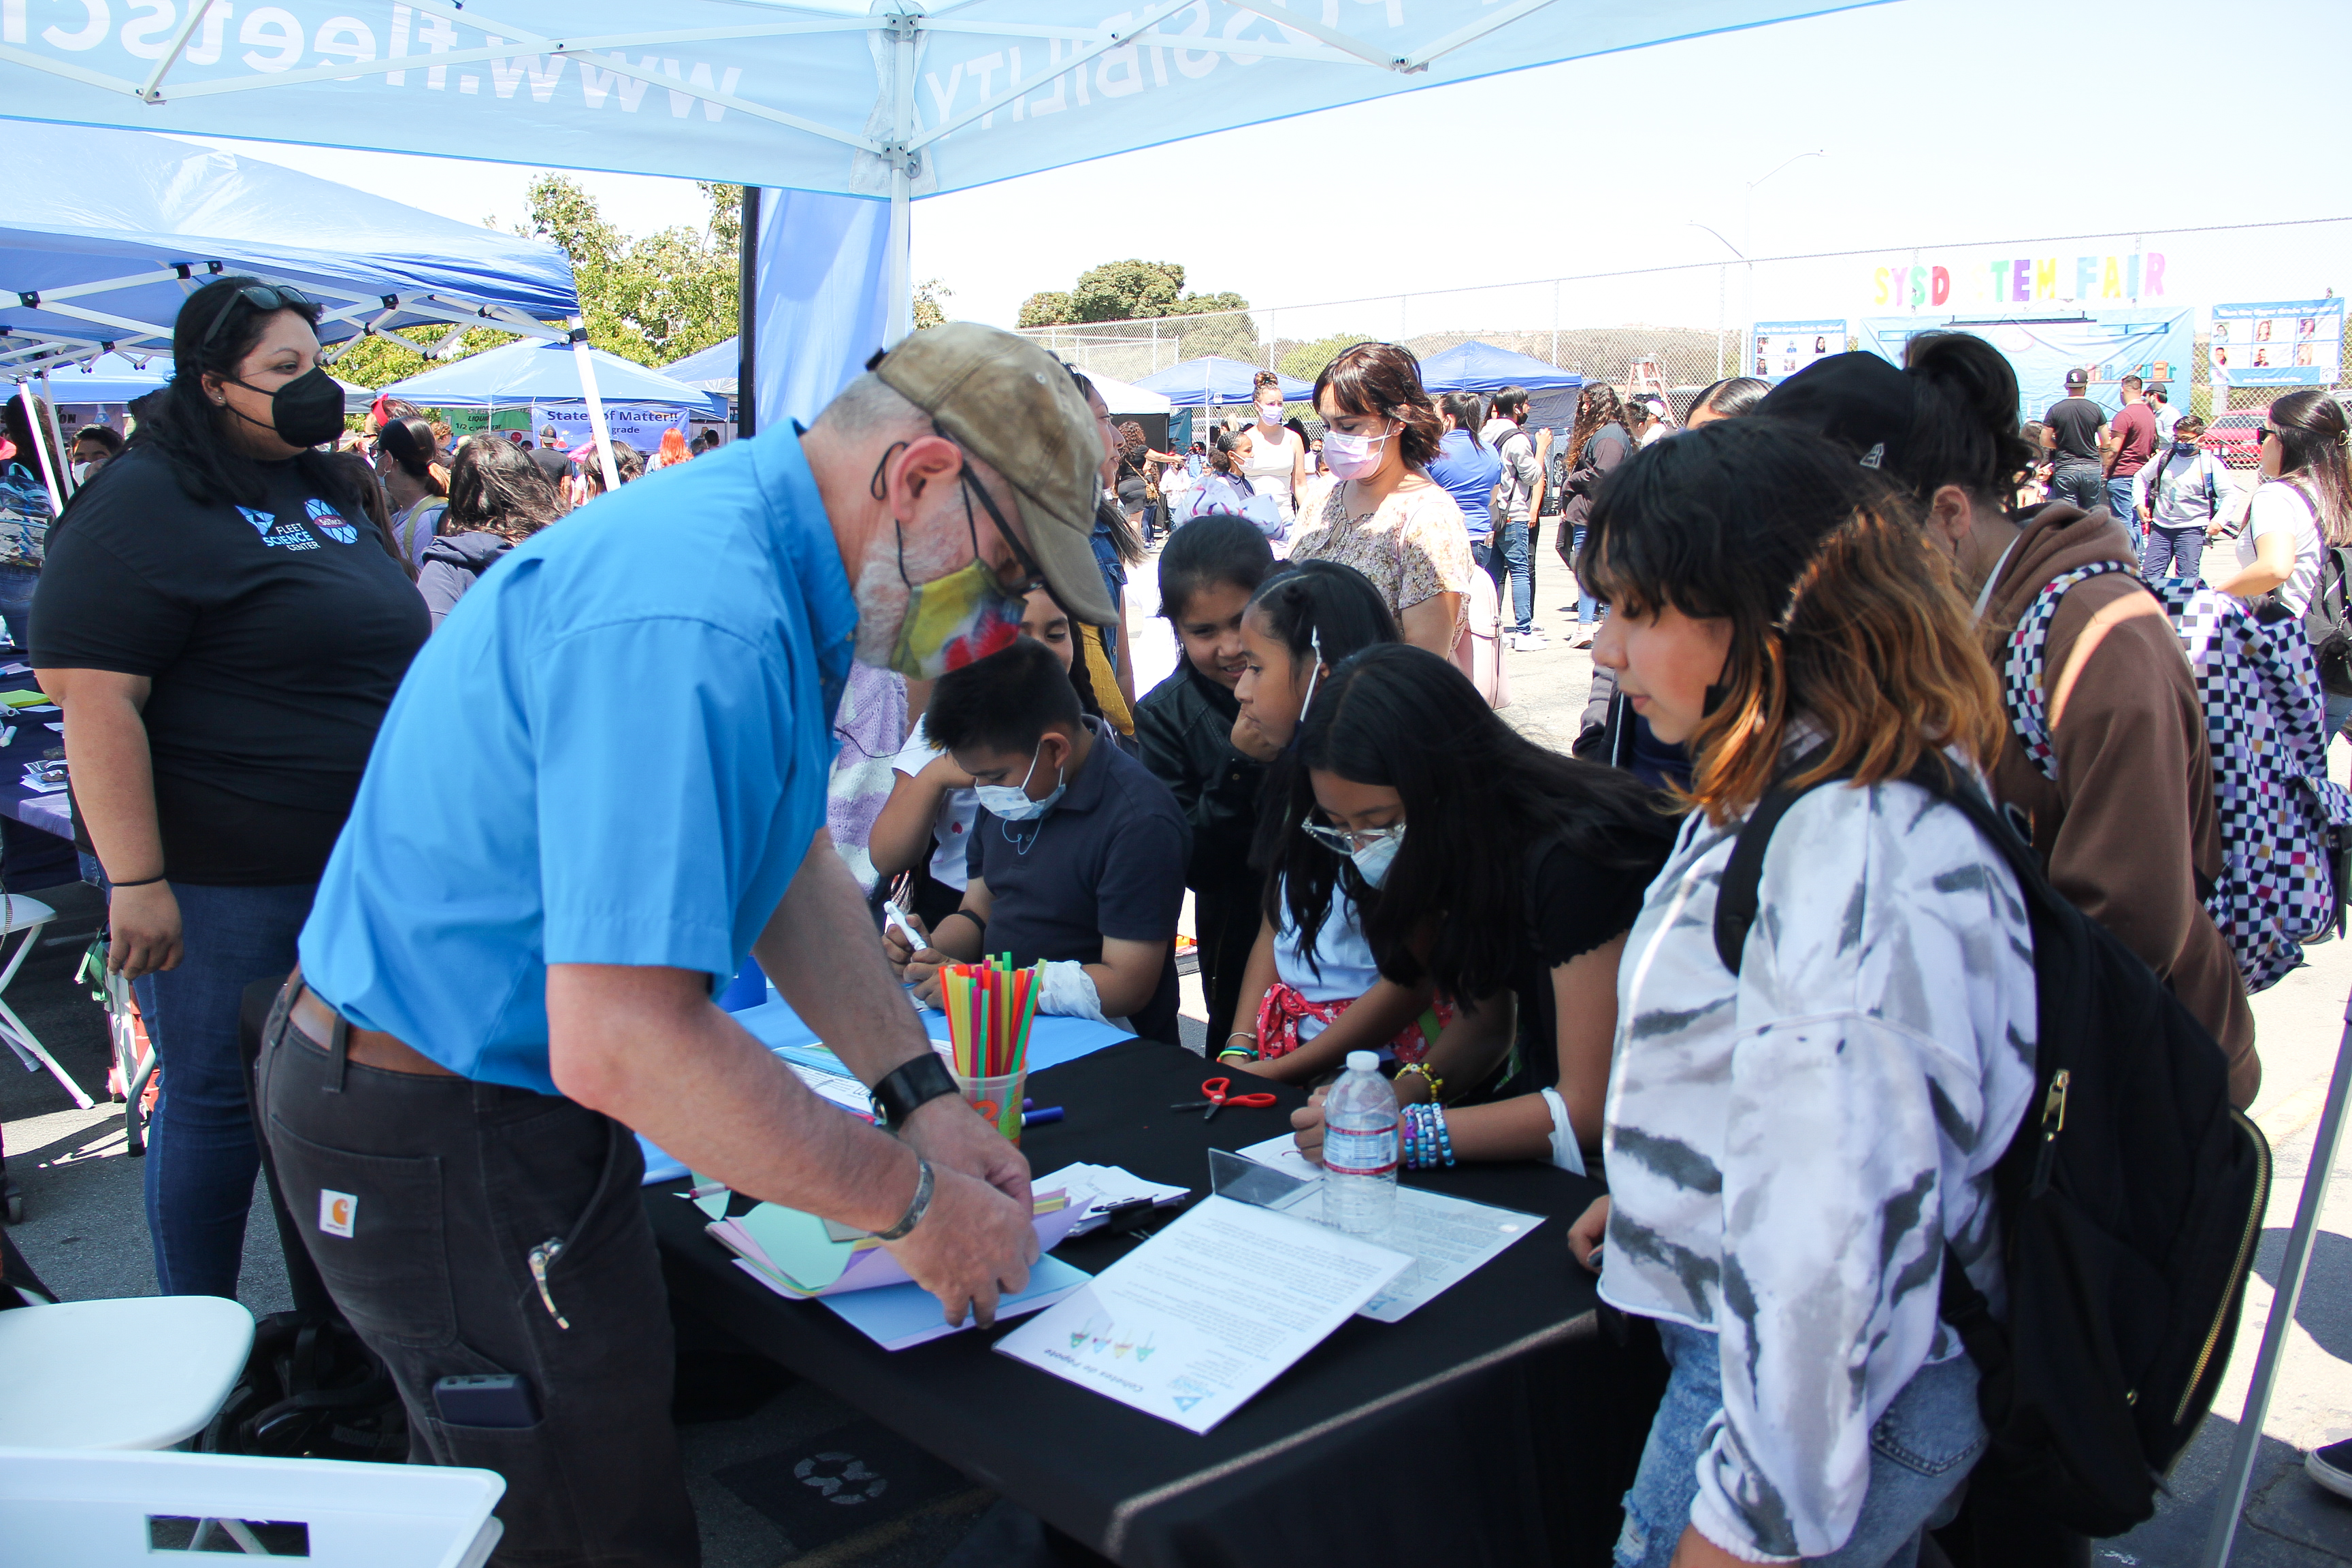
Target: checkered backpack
x: 2286, y: 827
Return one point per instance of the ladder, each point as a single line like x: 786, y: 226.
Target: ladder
x: 1647, y: 377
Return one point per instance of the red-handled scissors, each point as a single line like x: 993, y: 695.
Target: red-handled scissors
x: 1220, y: 1093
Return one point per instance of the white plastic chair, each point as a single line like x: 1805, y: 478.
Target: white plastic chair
x: 143, y: 1371
x: 125, y: 1511
x: 19, y: 913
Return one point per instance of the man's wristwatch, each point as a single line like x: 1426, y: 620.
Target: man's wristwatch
x: 910, y: 1086
x: 916, y: 1208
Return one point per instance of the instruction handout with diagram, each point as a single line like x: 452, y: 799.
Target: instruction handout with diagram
x: 1193, y: 1323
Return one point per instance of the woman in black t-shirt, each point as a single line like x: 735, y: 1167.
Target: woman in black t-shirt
x: 224, y: 629
x: 1491, y: 865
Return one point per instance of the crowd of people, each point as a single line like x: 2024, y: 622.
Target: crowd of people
x: 502, y: 799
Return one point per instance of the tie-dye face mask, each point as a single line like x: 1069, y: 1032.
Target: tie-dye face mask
x: 954, y: 620
x: 967, y: 615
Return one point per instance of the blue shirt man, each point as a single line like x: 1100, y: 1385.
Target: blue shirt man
x: 630, y: 765
x: 624, y: 731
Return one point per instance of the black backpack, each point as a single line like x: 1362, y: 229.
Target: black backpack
x: 2130, y: 1200
x: 311, y: 1390
x: 2328, y: 622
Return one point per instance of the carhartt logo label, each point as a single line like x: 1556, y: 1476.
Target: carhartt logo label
x: 336, y: 1212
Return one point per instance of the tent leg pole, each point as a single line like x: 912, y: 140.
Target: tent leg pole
x: 747, y: 321
x: 595, y: 409
x: 58, y: 434
x: 2231, y: 1499
x: 49, y: 471
x: 902, y: 190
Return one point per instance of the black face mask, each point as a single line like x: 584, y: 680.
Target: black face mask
x: 307, y: 411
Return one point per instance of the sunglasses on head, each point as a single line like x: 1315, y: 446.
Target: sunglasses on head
x: 261, y: 297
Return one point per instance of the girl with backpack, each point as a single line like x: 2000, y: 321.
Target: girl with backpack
x: 497, y: 499
x: 2179, y: 499
x: 2117, y: 786
x: 1791, y: 1148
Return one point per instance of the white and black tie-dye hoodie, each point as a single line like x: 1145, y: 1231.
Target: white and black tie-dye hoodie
x: 1789, y: 1148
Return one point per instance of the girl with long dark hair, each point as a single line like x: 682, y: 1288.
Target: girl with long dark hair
x: 415, y: 483
x: 497, y: 499
x: 1386, y: 517
x: 1499, y: 873
x: 1597, y: 442
x: 224, y: 633
x: 1797, y: 1149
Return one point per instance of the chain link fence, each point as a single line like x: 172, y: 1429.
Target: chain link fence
x: 1673, y: 330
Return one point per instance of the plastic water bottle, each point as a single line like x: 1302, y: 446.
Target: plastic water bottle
x: 1359, y: 1149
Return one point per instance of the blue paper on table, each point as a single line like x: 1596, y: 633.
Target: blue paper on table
x: 898, y: 1316
x: 1052, y: 1041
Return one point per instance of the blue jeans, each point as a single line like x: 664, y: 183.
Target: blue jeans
x: 2119, y: 503
x: 2081, y: 484
x: 1588, y: 608
x: 201, y: 1159
x: 1506, y: 553
x: 2339, y: 713
x: 1920, y: 1452
x: 2173, y: 553
x: 16, y: 585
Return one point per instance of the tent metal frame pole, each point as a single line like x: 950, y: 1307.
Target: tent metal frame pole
x: 2293, y: 1268
x: 57, y: 432
x: 747, y: 320
x: 596, y: 420
x: 33, y: 423
x: 902, y: 157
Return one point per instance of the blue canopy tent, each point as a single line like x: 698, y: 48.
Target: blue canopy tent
x: 1211, y: 380
x: 715, y: 369
x: 1483, y: 368
x: 851, y: 109
x: 526, y: 373
x: 109, y: 378
x: 103, y: 264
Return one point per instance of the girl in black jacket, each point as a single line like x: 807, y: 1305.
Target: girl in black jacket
x: 1208, y: 572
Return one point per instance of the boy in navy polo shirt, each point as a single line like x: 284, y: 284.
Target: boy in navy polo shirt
x: 1077, y: 855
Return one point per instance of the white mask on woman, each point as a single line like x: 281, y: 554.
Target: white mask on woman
x: 1269, y: 414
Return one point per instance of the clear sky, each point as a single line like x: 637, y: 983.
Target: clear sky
x: 1941, y: 121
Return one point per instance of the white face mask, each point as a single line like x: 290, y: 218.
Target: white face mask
x: 1011, y: 803
x: 1353, y: 457
x: 1269, y: 413
x: 1373, y: 860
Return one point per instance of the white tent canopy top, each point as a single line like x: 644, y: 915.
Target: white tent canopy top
x: 892, y: 99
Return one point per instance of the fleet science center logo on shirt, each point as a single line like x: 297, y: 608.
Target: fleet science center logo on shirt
x: 285, y: 535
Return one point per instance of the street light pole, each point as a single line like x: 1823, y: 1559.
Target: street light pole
x: 1719, y: 292
x: 1747, y: 240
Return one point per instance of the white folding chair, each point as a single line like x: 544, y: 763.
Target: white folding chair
x: 143, y: 1371
x: 125, y: 1511
x: 19, y: 913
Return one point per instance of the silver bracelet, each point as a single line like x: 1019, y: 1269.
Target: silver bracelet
x: 916, y: 1208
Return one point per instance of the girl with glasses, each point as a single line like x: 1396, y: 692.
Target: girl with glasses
x: 1483, y: 866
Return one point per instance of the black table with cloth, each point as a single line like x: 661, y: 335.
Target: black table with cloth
x: 1499, y: 1424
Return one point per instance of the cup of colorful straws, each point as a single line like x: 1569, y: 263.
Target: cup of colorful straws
x: 990, y: 1006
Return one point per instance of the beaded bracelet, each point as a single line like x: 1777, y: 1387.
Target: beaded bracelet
x: 1436, y: 1084
x: 1444, y: 1137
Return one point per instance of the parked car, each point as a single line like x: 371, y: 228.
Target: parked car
x: 2237, y: 438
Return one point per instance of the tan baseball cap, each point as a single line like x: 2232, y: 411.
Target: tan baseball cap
x: 1012, y: 406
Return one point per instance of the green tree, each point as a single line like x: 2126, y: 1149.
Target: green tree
x: 1048, y: 309
x: 651, y: 299
x: 931, y: 297
x: 1307, y: 360
x: 1131, y: 290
